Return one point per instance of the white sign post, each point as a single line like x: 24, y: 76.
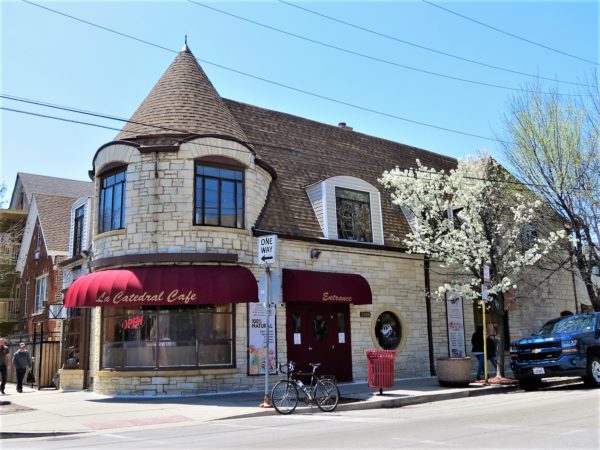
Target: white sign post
x: 267, y: 251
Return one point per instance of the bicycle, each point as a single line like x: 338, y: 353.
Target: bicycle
x: 322, y: 391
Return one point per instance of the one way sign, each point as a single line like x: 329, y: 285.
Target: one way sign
x: 267, y: 247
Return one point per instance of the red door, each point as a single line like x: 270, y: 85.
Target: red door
x: 320, y: 333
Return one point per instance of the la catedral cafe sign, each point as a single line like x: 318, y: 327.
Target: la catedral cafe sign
x: 163, y: 297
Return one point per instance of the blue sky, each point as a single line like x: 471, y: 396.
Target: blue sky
x: 53, y: 59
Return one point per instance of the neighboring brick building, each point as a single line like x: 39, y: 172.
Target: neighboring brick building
x: 47, y: 202
x: 183, y: 194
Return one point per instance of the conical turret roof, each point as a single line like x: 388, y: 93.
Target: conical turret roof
x: 183, y: 102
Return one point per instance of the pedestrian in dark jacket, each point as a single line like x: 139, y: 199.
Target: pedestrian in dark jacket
x: 22, y: 361
x: 477, y: 341
x: 4, y: 351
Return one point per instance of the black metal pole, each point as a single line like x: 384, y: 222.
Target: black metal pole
x: 428, y: 310
x: 39, y: 380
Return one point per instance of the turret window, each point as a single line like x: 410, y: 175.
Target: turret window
x: 111, y: 214
x: 219, y: 199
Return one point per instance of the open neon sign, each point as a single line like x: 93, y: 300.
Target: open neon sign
x: 133, y: 322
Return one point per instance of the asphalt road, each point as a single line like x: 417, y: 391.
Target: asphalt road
x: 566, y: 418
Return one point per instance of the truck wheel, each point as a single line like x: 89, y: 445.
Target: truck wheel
x: 592, y: 379
x: 530, y: 384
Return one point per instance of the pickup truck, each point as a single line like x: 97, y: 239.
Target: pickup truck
x: 564, y: 347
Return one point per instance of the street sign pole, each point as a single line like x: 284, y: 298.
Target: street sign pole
x: 267, y: 251
x: 267, y: 400
x: 484, y: 301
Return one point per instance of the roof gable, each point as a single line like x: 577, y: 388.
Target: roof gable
x: 30, y: 184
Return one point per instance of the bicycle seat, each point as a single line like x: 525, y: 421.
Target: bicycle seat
x: 314, y: 365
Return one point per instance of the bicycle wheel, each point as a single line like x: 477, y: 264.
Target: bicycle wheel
x: 327, y: 395
x: 284, y: 397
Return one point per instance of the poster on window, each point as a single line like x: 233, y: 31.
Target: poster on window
x: 456, y: 324
x: 257, y: 331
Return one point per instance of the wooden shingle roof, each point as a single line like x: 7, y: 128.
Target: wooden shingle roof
x: 183, y: 102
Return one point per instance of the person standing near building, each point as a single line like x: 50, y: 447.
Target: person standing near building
x: 477, y: 341
x: 22, y: 361
x: 4, y: 351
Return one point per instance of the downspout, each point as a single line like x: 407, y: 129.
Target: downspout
x: 428, y: 312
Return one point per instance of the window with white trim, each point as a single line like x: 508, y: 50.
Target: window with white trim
x: 78, y: 227
x: 347, y: 208
x: 41, y: 293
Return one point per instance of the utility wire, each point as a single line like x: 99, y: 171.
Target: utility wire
x: 374, y: 58
x: 422, y: 47
x: 509, y: 34
x: 62, y: 119
x: 285, y: 86
x: 345, y: 160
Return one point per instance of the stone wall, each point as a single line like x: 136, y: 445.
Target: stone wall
x: 160, y: 202
x: 159, y: 219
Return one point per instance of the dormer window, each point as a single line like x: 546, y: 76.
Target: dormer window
x: 353, y: 211
x: 347, y: 208
x: 219, y: 196
x: 111, y: 213
x: 78, y: 223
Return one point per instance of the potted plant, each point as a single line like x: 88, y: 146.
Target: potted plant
x: 453, y: 371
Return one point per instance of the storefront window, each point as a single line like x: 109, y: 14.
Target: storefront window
x: 161, y: 337
x: 388, y: 330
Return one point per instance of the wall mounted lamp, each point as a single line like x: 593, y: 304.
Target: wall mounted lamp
x: 315, y: 253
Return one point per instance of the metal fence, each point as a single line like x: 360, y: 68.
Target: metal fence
x: 45, y: 352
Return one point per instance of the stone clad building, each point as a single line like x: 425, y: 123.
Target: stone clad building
x: 181, y: 197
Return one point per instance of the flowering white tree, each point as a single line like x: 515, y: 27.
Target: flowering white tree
x: 466, y: 218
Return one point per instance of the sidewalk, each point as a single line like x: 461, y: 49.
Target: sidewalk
x: 49, y: 412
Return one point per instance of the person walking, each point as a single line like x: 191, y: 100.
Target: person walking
x: 477, y: 341
x: 4, y: 351
x: 22, y: 361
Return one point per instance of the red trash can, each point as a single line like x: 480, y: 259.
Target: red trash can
x: 381, y: 368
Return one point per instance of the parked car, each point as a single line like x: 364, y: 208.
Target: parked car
x: 563, y: 347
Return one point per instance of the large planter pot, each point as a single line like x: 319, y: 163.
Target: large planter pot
x: 454, y: 372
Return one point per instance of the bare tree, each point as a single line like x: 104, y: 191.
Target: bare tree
x: 553, y: 146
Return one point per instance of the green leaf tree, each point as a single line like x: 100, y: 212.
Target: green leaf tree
x: 553, y: 145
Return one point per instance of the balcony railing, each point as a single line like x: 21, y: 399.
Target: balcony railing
x: 9, y: 309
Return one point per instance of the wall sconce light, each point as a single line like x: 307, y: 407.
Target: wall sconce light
x: 36, y: 255
x: 315, y: 253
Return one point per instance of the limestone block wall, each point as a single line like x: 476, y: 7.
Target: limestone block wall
x: 160, y: 201
x: 536, y: 303
x: 397, y: 285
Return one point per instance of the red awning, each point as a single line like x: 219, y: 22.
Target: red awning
x: 159, y: 285
x: 325, y: 287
